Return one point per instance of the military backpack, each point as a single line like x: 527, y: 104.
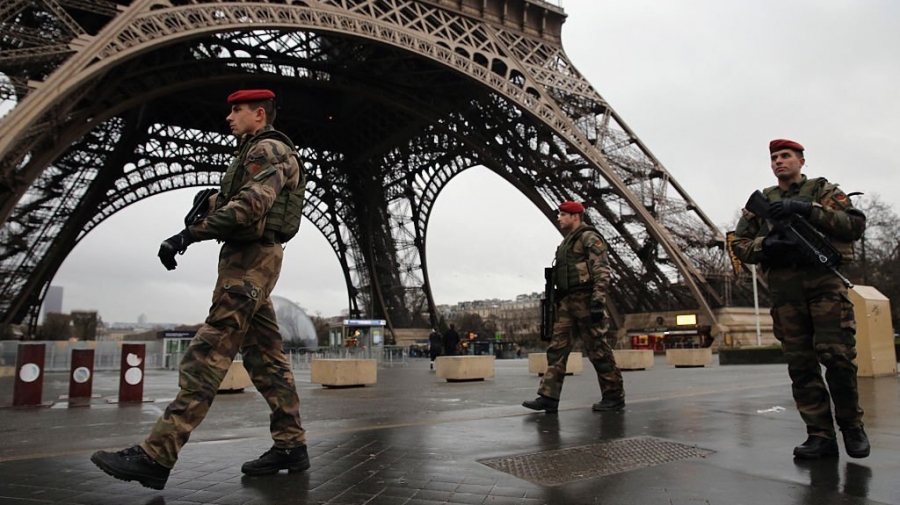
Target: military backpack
x: 283, y: 219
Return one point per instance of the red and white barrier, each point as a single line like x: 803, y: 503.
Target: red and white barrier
x: 131, y: 374
x: 29, y: 384
x: 81, y: 377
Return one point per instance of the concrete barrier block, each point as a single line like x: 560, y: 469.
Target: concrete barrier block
x: 237, y: 378
x: 343, y: 372
x: 633, y: 359
x: 685, y: 358
x: 464, y: 368
x: 537, y: 363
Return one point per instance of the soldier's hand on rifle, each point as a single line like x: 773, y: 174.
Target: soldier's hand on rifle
x: 203, y: 195
x: 201, y: 206
x: 786, y: 208
x: 774, y: 246
x: 597, y: 313
x: 176, y: 244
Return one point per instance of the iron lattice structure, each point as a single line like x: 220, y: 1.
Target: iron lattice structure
x: 117, y: 101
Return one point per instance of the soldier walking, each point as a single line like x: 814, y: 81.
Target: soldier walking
x: 811, y: 313
x: 256, y: 210
x: 581, y: 276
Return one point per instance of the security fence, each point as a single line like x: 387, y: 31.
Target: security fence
x: 108, y: 354
x: 58, y: 354
x: 386, y: 355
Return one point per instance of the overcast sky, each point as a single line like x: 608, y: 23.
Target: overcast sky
x: 704, y: 83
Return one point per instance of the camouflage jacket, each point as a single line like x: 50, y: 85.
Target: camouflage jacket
x: 264, y: 167
x: 583, y: 257
x: 833, y: 214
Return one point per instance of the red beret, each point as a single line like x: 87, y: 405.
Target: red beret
x: 250, y: 95
x: 779, y: 144
x: 571, y: 207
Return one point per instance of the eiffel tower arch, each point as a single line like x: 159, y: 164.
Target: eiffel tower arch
x: 117, y: 101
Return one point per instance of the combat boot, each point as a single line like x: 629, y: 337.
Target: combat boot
x: 816, y: 447
x: 272, y: 461
x: 548, y: 405
x: 856, y: 443
x: 609, y: 404
x: 132, y: 464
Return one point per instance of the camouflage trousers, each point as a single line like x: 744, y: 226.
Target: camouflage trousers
x: 242, y: 318
x: 813, y: 319
x: 573, y: 320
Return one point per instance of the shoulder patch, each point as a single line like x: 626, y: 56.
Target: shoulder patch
x: 598, y: 246
x: 260, y: 175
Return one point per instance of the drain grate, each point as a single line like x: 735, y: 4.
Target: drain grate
x: 552, y: 468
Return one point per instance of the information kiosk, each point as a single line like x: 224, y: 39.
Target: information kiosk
x: 364, y: 336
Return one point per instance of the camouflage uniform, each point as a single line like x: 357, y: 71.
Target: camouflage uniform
x: 242, y: 317
x: 812, y: 315
x: 573, y: 317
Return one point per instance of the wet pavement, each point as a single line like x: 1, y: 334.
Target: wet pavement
x: 688, y: 436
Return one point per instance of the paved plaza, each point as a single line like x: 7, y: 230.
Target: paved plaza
x: 688, y: 436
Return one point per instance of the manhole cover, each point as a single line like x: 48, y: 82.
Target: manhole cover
x: 552, y: 468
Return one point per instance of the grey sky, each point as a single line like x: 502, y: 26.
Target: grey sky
x: 704, y: 83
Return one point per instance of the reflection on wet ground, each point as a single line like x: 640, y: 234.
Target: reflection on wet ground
x: 413, y: 439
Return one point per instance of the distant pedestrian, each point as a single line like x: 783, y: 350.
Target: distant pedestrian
x: 435, y: 346
x: 451, y: 341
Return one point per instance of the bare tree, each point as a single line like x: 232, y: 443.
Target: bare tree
x: 84, y: 324
x: 9, y: 332
x: 321, y: 325
x: 56, y: 327
x: 877, y: 254
x: 470, y: 322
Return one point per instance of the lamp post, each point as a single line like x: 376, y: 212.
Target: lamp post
x: 756, y: 305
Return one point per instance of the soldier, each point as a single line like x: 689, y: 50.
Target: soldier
x: 812, y: 316
x: 249, y: 215
x: 581, y: 276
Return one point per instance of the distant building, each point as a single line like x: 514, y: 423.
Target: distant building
x: 52, y: 301
x: 120, y: 326
x: 512, y: 317
x: 525, y: 304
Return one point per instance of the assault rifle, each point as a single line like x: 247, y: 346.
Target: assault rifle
x: 813, y: 246
x: 200, y: 208
x: 548, y: 306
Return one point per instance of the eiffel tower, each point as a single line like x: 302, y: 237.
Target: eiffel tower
x: 115, y: 101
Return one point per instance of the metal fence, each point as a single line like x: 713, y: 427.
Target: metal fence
x: 108, y: 355
x: 386, y: 355
x: 58, y: 354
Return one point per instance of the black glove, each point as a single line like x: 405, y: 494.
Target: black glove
x: 775, y: 247
x: 203, y: 195
x: 786, y: 208
x: 597, y: 313
x: 176, y: 244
